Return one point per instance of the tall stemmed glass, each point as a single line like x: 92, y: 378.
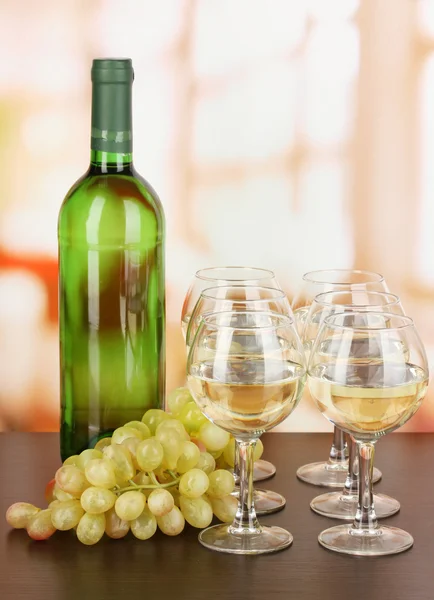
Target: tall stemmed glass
x: 343, y: 504
x: 333, y: 472
x: 239, y: 298
x: 246, y: 372
x: 368, y: 374
x: 227, y: 276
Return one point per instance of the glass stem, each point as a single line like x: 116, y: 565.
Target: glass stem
x: 245, y: 521
x: 337, y: 451
x: 351, y: 487
x: 366, y: 519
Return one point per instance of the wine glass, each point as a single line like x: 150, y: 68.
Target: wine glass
x: 333, y: 472
x: 229, y: 276
x: 223, y: 276
x: 246, y: 371
x: 368, y: 374
x: 343, y: 504
x: 238, y: 298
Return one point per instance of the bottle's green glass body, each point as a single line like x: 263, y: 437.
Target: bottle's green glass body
x: 111, y: 288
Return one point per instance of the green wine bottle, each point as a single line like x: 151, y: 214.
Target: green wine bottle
x: 111, y: 278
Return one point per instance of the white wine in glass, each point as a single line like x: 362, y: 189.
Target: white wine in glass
x: 343, y: 504
x: 250, y: 399
x: 333, y: 472
x: 241, y: 298
x: 248, y: 381
x: 223, y: 276
x: 375, y: 398
x: 368, y: 398
x: 213, y: 277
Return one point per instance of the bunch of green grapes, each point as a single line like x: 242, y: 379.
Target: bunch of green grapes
x: 159, y: 472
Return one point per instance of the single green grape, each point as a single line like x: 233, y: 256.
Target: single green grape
x: 144, y: 526
x: 206, y: 462
x: 194, y: 483
x: 66, y: 515
x: 173, y: 523
x: 192, y: 417
x: 221, y: 483
x: 160, y: 502
x: 149, y: 454
x: 71, y: 480
x: 115, y: 527
x: 214, y: 438
x: 100, y: 472
x: 197, y: 511
x: 225, y: 508
x: 18, y: 514
x: 96, y: 500
x: 189, y: 457
x: 177, y: 399
x: 130, y: 505
x: 91, y: 528
x: 40, y: 526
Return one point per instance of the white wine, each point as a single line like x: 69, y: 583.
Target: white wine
x: 368, y: 399
x: 244, y: 395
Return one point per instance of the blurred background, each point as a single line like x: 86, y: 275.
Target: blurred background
x: 288, y: 134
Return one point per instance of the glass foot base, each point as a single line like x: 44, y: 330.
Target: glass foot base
x: 219, y: 538
x: 384, y: 540
x: 266, y: 502
x: 337, y: 506
x: 262, y: 470
x: 325, y: 474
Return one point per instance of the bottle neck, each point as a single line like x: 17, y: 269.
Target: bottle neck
x: 111, y: 134
x: 110, y: 162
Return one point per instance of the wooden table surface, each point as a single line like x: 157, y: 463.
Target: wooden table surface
x: 179, y: 568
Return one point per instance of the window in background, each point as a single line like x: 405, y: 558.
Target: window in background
x: 273, y: 107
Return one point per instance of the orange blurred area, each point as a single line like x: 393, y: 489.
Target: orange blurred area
x: 287, y: 135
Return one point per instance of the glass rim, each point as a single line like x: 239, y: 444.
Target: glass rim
x: 329, y: 321
x: 202, y: 273
x: 320, y: 299
x: 277, y: 292
x: 309, y: 276
x: 284, y: 320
